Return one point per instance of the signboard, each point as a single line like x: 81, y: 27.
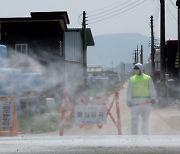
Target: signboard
x: 90, y: 114
x: 6, y: 113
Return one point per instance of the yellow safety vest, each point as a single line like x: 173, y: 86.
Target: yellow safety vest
x: 140, y: 86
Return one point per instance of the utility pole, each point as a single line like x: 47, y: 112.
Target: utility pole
x: 123, y: 70
x: 137, y: 54
x: 162, y: 40
x: 163, y: 81
x: 178, y: 5
x: 141, y: 55
x: 84, y: 46
x: 152, y: 49
x: 136, y: 57
x: 119, y: 68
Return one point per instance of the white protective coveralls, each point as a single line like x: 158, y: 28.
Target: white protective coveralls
x: 140, y: 107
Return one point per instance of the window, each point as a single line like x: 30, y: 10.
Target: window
x: 21, y: 48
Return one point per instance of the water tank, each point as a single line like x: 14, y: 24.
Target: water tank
x: 32, y: 82
x: 3, y: 55
x: 10, y: 81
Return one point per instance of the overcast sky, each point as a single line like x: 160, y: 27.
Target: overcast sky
x: 104, y: 16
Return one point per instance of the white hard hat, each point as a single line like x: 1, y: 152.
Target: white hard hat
x: 139, y: 65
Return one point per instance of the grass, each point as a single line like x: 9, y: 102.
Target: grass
x: 38, y: 122
x: 33, y: 122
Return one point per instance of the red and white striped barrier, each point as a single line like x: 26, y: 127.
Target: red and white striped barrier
x: 64, y: 117
x: 117, y: 122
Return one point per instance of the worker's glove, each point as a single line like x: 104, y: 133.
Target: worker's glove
x: 153, y: 101
x: 129, y: 104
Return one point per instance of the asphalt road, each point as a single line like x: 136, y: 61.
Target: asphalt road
x: 163, y: 121
x: 112, y: 144
x: 164, y: 138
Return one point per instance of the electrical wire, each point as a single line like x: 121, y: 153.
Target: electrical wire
x: 157, y: 14
x: 156, y: 23
x: 92, y: 12
x: 80, y: 19
x: 173, y: 4
x: 97, y: 14
x: 171, y: 14
x: 117, y: 13
x: 112, y: 12
x: 125, y: 13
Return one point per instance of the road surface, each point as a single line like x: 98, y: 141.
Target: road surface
x: 164, y: 121
x: 108, y: 144
x: 164, y: 138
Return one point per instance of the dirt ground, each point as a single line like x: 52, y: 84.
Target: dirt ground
x: 164, y: 121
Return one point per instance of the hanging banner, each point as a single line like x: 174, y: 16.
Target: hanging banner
x: 6, y: 113
x: 90, y: 114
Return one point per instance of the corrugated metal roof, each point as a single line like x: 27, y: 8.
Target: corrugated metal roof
x: 89, y: 36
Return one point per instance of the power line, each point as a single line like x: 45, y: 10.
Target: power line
x: 173, y: 4
x: 125, y: 13
x: 171, y: 14
x: 112, y: 12
x: 157, y: 13
x: 80, y: 19
x: 97, y: 14
x: 104, y: 7
x: 118, y: 13
x: 156, y: 19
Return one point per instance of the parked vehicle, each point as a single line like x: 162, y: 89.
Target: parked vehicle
x: 13, y: 82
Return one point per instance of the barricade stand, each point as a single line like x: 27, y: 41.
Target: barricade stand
x: 63, y: 118
x: 12, y: 131
x: 82, y: 100
x: 118, y: 113
x: 101, y: 101
x: 118, y: 122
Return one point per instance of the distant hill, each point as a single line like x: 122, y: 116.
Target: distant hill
x: 111, y: 49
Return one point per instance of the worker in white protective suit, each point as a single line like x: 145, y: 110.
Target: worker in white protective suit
x: 140, y: 95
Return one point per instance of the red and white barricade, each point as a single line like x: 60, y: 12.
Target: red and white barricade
x: 89, y: 113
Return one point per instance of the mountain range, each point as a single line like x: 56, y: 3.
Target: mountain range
x: 112, y: 49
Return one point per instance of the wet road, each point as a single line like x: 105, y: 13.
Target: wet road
x: 112, y: 144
